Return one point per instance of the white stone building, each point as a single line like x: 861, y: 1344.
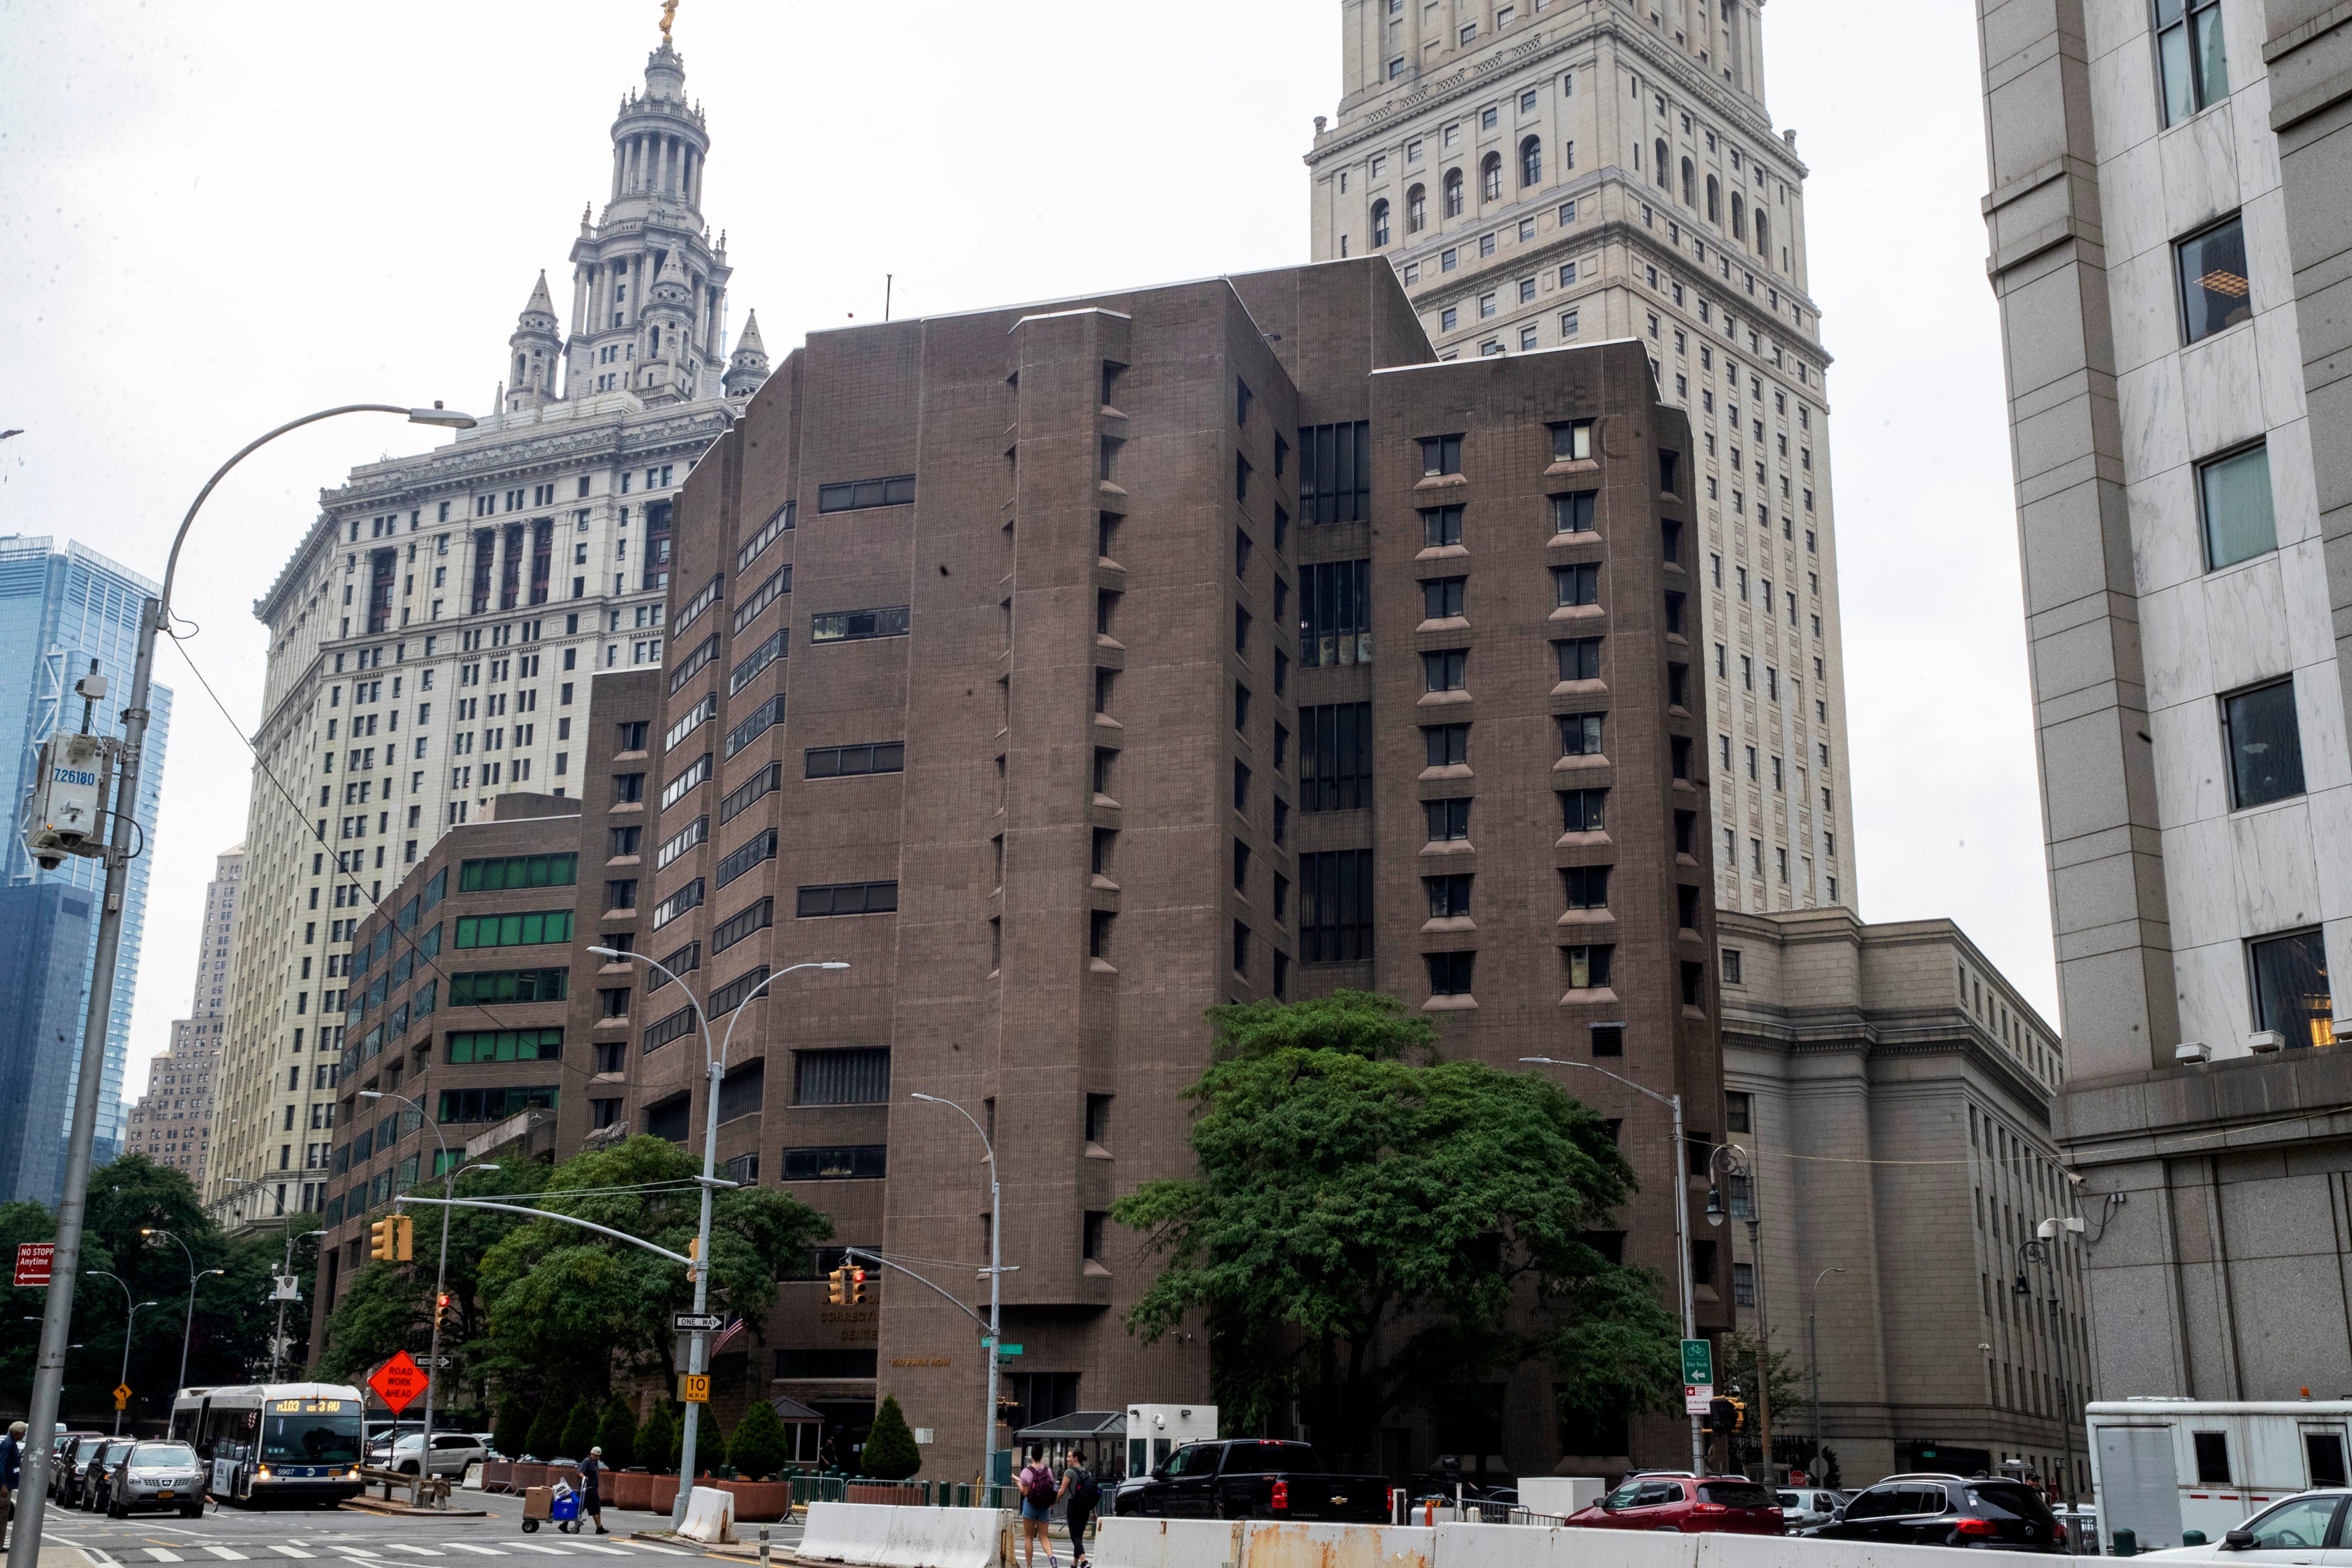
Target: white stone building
x: 172, y: 1122
x: 1548, y: 173
x: 433, y: 639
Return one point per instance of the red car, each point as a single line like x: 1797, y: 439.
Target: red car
x: 1691, y: 1505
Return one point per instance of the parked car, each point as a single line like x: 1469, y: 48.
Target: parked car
x: 1692, y: 1505
x: 2307, y: 1528
x: 452, y: 1451
x: 153, y: 1476
x: 1801, y: 1508
x: 1252, y: 1478
x: 61, y: 1458
x: 90, y: 1495
x: 1948, y: 1510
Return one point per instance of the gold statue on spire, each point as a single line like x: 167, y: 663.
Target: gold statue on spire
x: 669, y: 15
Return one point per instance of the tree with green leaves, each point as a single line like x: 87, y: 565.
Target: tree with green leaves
x: 388, y: 1307
x: 570, y: 1311
x: 617, y: 1434
x: 890, y: 1451
x: 658, y: 1440
x: 761, y: 1444
x: 709, y: 1441
x: 580, y: 1430
x: 1372, y: 1226
x: 513, y: 1430
x: 546, y: 1439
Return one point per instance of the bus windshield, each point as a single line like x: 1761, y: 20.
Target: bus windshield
x: 310, y: 1432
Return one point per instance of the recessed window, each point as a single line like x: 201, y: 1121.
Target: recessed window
x: 1449, y: 897
x: 1572, y: 441
x: 1441, y: 455
x: 1572, y: 513
x: 1449, y: 820
x: 2191, y: 57
x: 1449, y: 745
x: 1579, y: 734
x: 1445, y: 670
x: 1441, y: 525
x: 1580, y: 658
x: 1588, y: 967
x: 1587, y: 887
x: 1449, y: 972
x: 2291, y: 990
x: 1440, y: 598
x: 1731, y: 967
x: 2214, y: 291
x: 1578, y: 585
x: 2264, y: 744
x: 1583, y: 810
x: 2235, y: 494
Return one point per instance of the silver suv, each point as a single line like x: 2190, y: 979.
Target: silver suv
x: 452, y: 1452
x: 155, y: 1476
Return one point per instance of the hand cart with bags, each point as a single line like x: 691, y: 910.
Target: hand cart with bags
x: 558, y: 1504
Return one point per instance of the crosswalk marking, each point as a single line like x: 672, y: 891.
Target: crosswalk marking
x: 480, y: 1551
x: 420, y: 1551
x: 606, y: 1550
x: 549, y: 1550
x: 294, y: 1549
x: 164, y: 1554
x: 662, y: 1551
x: 227, y: 1554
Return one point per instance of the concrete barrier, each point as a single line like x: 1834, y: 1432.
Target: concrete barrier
x: 880, y: 1536
x: 1133, y: 1542
x: 1533, y: 1546
x: 1272, y: 1546
x: 709, y: 1516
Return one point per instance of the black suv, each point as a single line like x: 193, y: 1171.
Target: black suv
x: 1948, y: 1510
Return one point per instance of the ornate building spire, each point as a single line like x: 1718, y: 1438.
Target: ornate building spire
x: 533, y: 351
x: 747, y: 366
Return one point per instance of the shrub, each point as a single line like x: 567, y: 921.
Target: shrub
x: 546, y: 1438
x: 709, y: 1442
x: 760, y: 1443
x: 580, y: 1430
x: 658, y: 1440
x: 513, y: 1428
x: 617, y: 1434
x: 890, y: 1452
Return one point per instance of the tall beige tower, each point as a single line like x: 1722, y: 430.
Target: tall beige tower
x: 433, y: 639
x: 172, y: 1122
x: 1546, y: 173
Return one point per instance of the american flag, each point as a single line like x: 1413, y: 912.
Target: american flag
x: 733, y: 1328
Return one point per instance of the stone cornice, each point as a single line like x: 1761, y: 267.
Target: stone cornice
x: 1887, y: 1033
x: 1679, y: 72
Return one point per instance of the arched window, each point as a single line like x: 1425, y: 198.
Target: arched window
x: 1490, y: 178
x: 1531, y: 161
x: 519, y: 371
x: 1739, y: 216
x: 1453, y: 193
x: 1658, y: 164
x: 1714, y: 199
x: 1416, y: 209
x: 1763, y: 244
x: 1690, y: 185
x: 1380, y: 222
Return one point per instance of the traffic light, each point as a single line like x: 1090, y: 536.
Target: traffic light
x: 441, y: 1311
x: 1726, y: 1415
x: 404, y: 1235
x: 379, y: 1241
x: 857, y: 1296
x: 836, y: 1287
x: 693, y: 1255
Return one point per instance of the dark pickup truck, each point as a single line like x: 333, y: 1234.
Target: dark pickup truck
x: 1252, y: 1478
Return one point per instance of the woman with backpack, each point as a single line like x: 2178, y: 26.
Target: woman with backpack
x: 1084, y: 1495
x: 1038, y: 1495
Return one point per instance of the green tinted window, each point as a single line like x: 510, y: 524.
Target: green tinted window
x: 506, y: 1046
x: 514, y: 931
x: 519, y: 872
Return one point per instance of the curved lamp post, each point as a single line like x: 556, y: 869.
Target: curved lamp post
x: 996, y: 1282
x: 714, y: 1069
x: 129, y: 1317
x: 49, y: 1368
x: 188, y: 1327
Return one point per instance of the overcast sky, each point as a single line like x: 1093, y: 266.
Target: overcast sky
x: 214, y: 217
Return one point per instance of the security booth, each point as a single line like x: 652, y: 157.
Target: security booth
x: 804, y: 1427
x: 1100, y: 1436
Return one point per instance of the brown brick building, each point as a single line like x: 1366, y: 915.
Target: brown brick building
x: 1146, y: 652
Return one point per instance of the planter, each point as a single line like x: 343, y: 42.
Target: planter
x: 498, y: 1474
x: 759, y: 1503
x: 890, y: 1495
x: 525, y: 1477
x: 630, y: 1491
x: 661, y: 1493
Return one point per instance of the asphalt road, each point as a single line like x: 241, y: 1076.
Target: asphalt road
x: 349, y: 1538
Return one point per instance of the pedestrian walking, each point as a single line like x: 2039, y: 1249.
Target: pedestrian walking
x: 1039, y: 1493
x: 1081, y: 1495
x: 11, y: 1469
x: 590, y: 1469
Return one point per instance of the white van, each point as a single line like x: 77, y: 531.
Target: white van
x: 2160, y: 1466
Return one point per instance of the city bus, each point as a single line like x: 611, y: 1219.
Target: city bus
x: 274, y: 1442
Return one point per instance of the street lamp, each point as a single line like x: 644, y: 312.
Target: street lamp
x: 440, y: 1275
x: 1673, y: 1102
x: 714, y: 1069
x: 1733, y: 1162
x: 129, y: 1317
x: 188, y: 1327
x: 2044, y: 1249
x: 996, y: 1282
x: 277, y: 1344
x: 50, y: 1368
x: 1813, y: 1351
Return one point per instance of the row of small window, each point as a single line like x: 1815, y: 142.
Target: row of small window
x: 1585, y: 968
x: 1756, y: 860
